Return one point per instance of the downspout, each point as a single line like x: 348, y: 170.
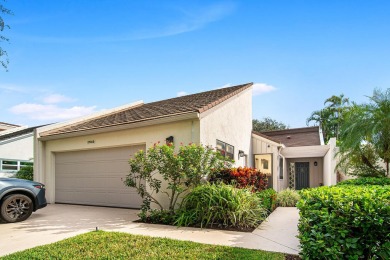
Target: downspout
x: 322, y: 142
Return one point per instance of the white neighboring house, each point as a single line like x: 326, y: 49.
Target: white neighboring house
x: 85, y: 161
x: 16, y: 149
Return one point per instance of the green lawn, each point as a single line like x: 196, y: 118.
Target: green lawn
x: 115, y: 245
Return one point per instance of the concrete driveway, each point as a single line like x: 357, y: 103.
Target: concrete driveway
x: 57, y: 222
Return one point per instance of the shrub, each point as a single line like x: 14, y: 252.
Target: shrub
x: 26, y: 172
x: 242, y: 177
x: 287, y: 198
x: 157, y: 216
x: 345, y: 222
x: 267, y: 199
x: 181, y: 170
x: 220, y: 205
x: 366, y: 181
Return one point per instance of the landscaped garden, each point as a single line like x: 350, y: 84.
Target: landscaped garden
x: 197, y: 187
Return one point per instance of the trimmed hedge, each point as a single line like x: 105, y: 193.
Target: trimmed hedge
x: 366, y: 181
x: 267, y: 199
x: 345, y: 222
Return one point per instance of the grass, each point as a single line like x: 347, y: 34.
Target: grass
x: 115, y: 245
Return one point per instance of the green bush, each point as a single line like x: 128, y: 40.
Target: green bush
x: 345, y: 222
x: 366, y: 181
x: 220, y: 205
x: 287, y: 198
x: 26, y: 172
x: 267, y: 199
x: 157, y: 216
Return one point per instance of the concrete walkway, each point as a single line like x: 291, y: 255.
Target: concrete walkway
x: 57, y: 222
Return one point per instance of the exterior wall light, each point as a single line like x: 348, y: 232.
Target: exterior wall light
x: 315, y: 163
x: 169, y: 140
x: 241, y: 153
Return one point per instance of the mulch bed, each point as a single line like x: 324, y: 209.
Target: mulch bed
x: 248, y: 230
x: 292, y: 257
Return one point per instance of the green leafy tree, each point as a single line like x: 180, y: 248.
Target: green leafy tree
x: 267, y: 124
x: 26, y: 172
x: 181, y: 170
x: 365, y: 137
x: 330, y: 118
x: 3, y: 54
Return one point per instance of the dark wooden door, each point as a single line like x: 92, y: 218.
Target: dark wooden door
x: 301, y: 175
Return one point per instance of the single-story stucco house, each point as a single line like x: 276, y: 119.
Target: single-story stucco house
x: 85, y: 161
x: 16, y: 149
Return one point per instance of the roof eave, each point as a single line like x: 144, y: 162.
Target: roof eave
x: 143, y: 123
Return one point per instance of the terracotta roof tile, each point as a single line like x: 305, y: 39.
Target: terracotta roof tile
x: 199, y: 102
x: 304, y: 136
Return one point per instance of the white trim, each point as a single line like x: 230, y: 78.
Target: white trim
x: 16, y: 138
x: 305, y: 151
x: 156, y: 121
x: 267, y: 140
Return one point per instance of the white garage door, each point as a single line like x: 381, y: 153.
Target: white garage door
x: 95, y: 177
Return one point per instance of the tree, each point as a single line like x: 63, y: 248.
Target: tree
x: 181, y: 171
x: 365, y: 137
x: 267, y: 124
x: 331, y: 117
x: 3, y: 54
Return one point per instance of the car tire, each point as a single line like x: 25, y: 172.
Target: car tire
x: 15, y: 208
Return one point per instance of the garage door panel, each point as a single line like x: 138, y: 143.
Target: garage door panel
x: 96, y: 168
x: 95, y: 177
x: 109, y: 182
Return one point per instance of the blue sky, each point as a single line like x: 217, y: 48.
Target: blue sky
x: 74, y: 57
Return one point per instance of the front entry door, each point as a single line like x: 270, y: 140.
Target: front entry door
x: 301, y: 175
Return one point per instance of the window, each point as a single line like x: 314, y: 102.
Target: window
x: 10, y: 165
x: 13, y: 165
x: 225, y: 149
x: 281, y: 168
x: 263, y: 163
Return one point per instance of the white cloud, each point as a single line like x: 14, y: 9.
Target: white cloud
x: 12, y: 88
x: 261, y: 88
x: 188, y: 19
x: 51, y: 112
x: 57, y: 98
x: 181, y: 93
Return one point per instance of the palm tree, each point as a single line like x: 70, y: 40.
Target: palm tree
x: 330, y: 117
x: 365, y: 135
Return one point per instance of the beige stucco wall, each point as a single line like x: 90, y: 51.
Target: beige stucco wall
x: 330, y: 162
x: 20, y: 148
x: 315, y: 172
x: 183, y: 132
x: 230, y: 122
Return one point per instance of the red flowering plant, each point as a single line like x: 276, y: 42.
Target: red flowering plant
x: 242, y: 177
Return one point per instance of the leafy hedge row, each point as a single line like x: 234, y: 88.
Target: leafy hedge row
x: 366, y: 181
x: 345, y: 222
